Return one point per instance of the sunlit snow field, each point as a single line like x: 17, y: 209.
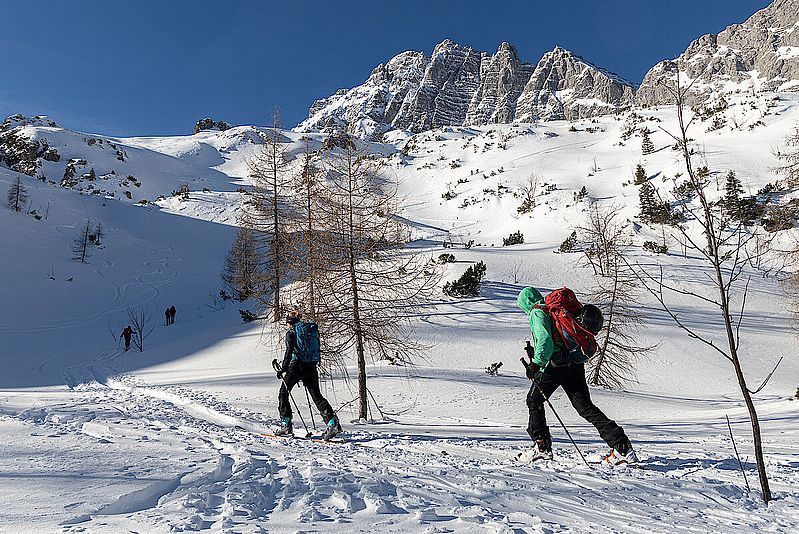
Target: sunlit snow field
x: 99, y: 440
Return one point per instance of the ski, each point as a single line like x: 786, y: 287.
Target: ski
x: 338, y: 440
x: 592, y: 460
x: 312, y: 439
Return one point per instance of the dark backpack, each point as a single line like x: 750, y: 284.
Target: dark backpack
x: 307, y: 346
x: 563, y: 307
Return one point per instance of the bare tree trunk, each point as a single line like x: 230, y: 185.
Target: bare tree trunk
x: 276, y: 242
x: 717, y: 257
x: 310, y: 245
x: 593, y: 379
x: 363, y: 401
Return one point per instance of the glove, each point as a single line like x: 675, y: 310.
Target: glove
x: 532, y: 370
x: 280, y: 374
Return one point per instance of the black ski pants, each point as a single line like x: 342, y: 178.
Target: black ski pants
x: 308, y: 374
x: 572, y: 379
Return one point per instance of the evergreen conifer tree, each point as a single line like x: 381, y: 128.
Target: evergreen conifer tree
x: 648, y: 202
x: 733, y: 190
x: 640, y: 175
x: 647, y: 147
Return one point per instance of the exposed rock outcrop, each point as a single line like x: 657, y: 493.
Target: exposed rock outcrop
x: 460, y: 86
x: 565, y: 86
x: 760, y: 54
x: 210, y: 124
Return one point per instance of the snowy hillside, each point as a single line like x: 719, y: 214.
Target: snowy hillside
x: 165, y: 440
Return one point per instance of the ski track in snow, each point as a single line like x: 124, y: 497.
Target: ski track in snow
x: 145, y: 288
x: 390, y: 478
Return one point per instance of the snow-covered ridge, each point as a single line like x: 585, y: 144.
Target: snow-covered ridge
x: 759, y: 54
x: 138, y: 170
x: 460, y: 86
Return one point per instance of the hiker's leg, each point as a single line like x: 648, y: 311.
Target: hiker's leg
x: 311, y: 381
x: 576, y: 388
x: 290, y: 379
x: 537, y: 423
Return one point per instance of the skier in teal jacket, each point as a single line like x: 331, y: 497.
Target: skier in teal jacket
x: 551, y: 368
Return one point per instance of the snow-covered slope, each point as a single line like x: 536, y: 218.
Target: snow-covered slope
x: 165, y: 440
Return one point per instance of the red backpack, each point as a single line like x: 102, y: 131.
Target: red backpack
x: 563, y: 307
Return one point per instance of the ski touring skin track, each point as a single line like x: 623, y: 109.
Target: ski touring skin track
x: 338, y: 440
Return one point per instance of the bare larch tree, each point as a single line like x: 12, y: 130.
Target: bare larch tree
x: 242, y: 269
x: 615, y: 291
x: 80, y: 247
x: 726, y: 251
x: 17, y: 195
x: 141, y: 320
x: 371, y: 286
x: 790, y: 159
x: 268, y: 213
x: 309, y: 251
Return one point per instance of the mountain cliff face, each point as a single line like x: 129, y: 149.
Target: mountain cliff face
x: 760, y: 54
x: 373, y: 104
x: 502, y: 79
x: 565, y: 86
x: 442, y: 96
x: 460, y: 86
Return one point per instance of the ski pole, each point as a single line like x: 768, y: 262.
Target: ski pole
x: 276, y: 367
x: 546, y: 398
x: 310, y: 410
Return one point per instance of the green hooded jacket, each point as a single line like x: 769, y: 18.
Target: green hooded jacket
x: 540, y: 325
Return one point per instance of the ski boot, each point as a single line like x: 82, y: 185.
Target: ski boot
x: 333, y: 428
x: 542, y: 450
x: 617, y: 457
x: 285, y: 428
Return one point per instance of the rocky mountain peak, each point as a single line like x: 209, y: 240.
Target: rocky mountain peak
x: 566, y: 86
x: 14, y: 121
x: 458, y: 86
x: 762, y: 53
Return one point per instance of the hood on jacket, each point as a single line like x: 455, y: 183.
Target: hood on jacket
x: 529, y: 297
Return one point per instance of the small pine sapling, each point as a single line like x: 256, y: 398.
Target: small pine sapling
x: 569, y: 244
x: 468, y: 285
x: 647, y: 147
x: 493, y: 369
x: 516, y: 238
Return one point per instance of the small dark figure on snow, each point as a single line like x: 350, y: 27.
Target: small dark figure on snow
x: 172, y: 313
x: 558, y: 359
x: 300, y: 364
x: 166, y: 317
x: 127, y: 333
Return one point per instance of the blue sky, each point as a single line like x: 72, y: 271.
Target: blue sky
x: 155, y: 67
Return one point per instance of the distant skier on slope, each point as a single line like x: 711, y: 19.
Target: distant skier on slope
x: 300, y: 363
x: 557, y: 360
x: 172, y: 313
x: 166, y: 317
x: 126, y: 333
